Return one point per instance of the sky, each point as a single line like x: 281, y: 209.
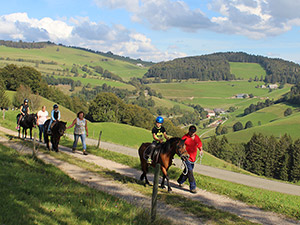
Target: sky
x: 158, y: 30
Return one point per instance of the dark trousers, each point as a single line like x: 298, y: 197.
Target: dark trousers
x: 149, y: 150
x: 189, y: 175
x: 41, y: 131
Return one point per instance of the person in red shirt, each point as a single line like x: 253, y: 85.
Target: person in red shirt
x: 192, y: 143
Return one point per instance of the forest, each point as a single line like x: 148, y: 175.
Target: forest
x: 216, y: 67
x: 262, y: 155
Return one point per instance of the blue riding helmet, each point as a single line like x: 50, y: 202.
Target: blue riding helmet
x: 55, y: 106
x: 159, y: 119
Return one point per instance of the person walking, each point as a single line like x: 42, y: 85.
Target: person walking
x: 80, y: 130
x: 42, y: 117
x: 192, y: 143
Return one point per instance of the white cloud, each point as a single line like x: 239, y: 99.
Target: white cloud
x: 255, y: 19
x: 84, y: 33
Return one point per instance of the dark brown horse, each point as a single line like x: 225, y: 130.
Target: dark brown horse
x: 57, y: 131
x: 165, y: 154
x: 27, y: 122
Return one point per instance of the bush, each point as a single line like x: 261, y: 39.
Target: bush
x: 249, y: 124
x: 288, y: 112
x: 237, y: 126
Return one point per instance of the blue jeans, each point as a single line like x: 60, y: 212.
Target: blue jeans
x: 189, y: 175
x: 82, y: 137
x: 41, y: 131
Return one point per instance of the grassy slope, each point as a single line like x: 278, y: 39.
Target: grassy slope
x: 279, y: 127
x: 246, y: 70
x: 213, y: 94
x: 99, y: 82
x: 36, y: 193
x: 66, y: 57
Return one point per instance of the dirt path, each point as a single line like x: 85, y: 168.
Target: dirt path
x: 250, y: 213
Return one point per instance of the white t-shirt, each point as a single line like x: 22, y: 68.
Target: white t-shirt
x: 42, y: 117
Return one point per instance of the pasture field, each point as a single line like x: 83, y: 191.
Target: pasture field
x: 214, y: 94
x: 289, y: 125
x: 99, y: 82
x: 246, y: 70
x: 267, y: 200
x: 66, y: 57
x: 33, y: 192
x: 272, y: 122
x: 169, y: 104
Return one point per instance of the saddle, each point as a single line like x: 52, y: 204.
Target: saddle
x: 155, y: 153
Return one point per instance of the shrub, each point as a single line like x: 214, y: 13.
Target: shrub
x: 237, y: 126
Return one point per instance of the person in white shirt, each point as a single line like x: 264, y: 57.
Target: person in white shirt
x: 42, y: 117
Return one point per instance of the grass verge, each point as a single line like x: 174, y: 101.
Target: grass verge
x: 36, y: 193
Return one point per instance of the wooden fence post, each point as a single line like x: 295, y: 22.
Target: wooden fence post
x: 99, y: 140
x: 154, y: 193
x: 4, y: 113
x: 34, y: 148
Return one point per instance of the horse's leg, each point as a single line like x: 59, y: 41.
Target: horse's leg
x: 162, y: 185
x: 165, y: 173
x: 30, y: 129
x: 46, y: 140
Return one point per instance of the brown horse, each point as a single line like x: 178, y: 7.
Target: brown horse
x: 165, y: 154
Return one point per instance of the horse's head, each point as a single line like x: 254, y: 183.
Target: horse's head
x: 177, y: 146
x: 181, y: 151
x: 61, y: 127
x: 34, y: 119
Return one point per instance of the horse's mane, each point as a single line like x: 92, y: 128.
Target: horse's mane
x: 167, y: 145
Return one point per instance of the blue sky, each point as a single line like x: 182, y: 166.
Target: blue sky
x: 157, y: 30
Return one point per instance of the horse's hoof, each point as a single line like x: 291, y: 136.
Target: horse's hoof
x: 162, y: 187
x: 170, y: 191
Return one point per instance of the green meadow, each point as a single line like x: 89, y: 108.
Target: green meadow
x: 33, y: 192
x: 66, y: 57
x: 278, y: 128
x: 100, y: 81
x: 246, y: 70
x: 215, y: 94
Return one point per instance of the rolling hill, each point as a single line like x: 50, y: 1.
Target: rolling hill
x: 59, y: 60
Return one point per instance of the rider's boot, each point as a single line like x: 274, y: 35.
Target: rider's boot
x: 149, y: 160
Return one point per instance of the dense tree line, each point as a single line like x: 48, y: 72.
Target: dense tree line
x: 107, y: 107
x: 262, y: 155
x: 260, y: 105
x: 51, y: 80
x: 293, y: 96
x: 199, y: 67
x: 216, y: 67
x: 37, y: 62
x: 13, y: 76
x: 4, y: 100
x: 21, y: 44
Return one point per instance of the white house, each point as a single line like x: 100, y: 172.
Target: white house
x: 273, y: 86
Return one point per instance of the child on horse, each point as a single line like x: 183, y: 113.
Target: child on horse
x: 55, y: 116
x: 158, y: 134
x: 24, y: 109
